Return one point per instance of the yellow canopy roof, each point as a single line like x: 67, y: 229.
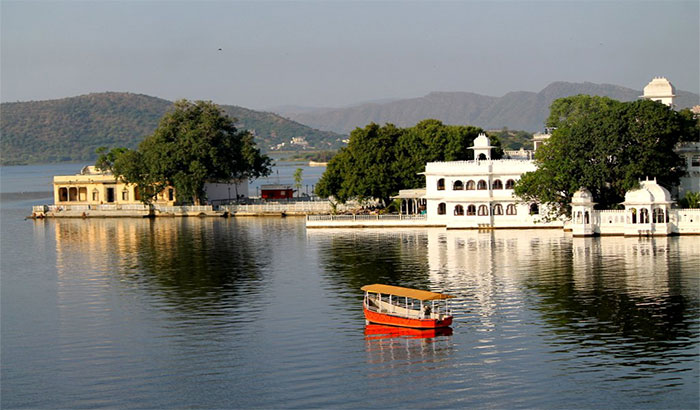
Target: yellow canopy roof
x: 405, y: 292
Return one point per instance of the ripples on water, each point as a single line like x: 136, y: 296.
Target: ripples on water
x: 262, y: 313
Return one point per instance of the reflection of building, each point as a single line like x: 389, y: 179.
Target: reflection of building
x: 645, y: 266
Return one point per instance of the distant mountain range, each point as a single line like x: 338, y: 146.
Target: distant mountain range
x: 520, y: 110
x: 70, y: 129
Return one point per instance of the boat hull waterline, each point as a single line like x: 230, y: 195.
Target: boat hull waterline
x: 392, y: 320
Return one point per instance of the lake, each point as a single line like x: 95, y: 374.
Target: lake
x: 260, y: 312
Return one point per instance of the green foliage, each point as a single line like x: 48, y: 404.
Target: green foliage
x: 195, y: 143
x: 606, y: 146
x: 690, y: 200
x: 71, y: 129
x: 316, y: 156
x: 512, y: 140
x: 380, y: 160
x: 298, y: 179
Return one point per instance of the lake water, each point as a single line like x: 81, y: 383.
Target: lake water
x: 260, y: 312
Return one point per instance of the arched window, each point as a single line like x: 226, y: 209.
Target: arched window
x: 441, y: 184
x: 633, y: 211
x: 498, y: 209
x: 534, y: 209
x: 457, y: 186
x: 459, y: 210
x: 442, y: 208
x: 482, y: 156
x: 644, y: 216
x: 579, y: 217
x: 511, y: 210
x: 587, y: 218
x: 497, y: 184
x: 482, y: 185
x: 471, y: 210
x: 659, y: 216
x: 471, y: 186
x: 483, y: 210
x: 510, y: 184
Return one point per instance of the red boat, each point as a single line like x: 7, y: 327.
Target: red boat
x: 397, y: 306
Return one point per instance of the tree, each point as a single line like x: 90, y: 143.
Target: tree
x: 194, y: 143
x: 690, y: 200
x: 381, y: 160
x: 606, y: 146
x: 298, y: 179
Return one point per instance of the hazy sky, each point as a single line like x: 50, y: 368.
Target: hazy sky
x: 339, y: 53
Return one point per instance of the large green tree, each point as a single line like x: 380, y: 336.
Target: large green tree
x: 195, y: 143
x: 606, y: 146
x: 381, y: 160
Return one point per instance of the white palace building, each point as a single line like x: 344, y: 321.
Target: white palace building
x: 478, y: 194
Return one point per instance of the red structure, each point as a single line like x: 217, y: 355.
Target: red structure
x: 276, y: 192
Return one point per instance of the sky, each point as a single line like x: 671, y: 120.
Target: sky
x: 267, y: 54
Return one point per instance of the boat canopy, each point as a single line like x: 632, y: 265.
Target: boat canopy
x: 405, y: 292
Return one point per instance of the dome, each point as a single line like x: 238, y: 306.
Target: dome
x: 482, y: 141
x: 659, y: 87
x: 649, y: 193
x: 582, y: 197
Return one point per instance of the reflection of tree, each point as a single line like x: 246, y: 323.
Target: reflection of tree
x: 190, y: 263
x: 354, y: 259
x: 594, y: 303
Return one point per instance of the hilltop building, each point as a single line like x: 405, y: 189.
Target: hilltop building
x: 660, y: 89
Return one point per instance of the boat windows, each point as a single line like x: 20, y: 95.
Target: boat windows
x: 482, y: 185
x: 483, y: 210
x: 471, y: 210
x: 459, y: 210
x: 442, y: 208
x: 441, y: 184
x: 511, y: 210
x: 471, y: 185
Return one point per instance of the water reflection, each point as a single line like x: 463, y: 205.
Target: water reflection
x: 626, y: 296
x: 373, y: 332
x: 190, y: 263
x: 352, y: 258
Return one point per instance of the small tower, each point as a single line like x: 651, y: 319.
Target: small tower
x: 660, y: 89
x: 482, y: 147
x: 582, y: 223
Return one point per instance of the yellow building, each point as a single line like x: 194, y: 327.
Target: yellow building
x: 97, y: 187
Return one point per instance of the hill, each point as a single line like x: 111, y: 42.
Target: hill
x: 70, y: 129
x: 521, y: 110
